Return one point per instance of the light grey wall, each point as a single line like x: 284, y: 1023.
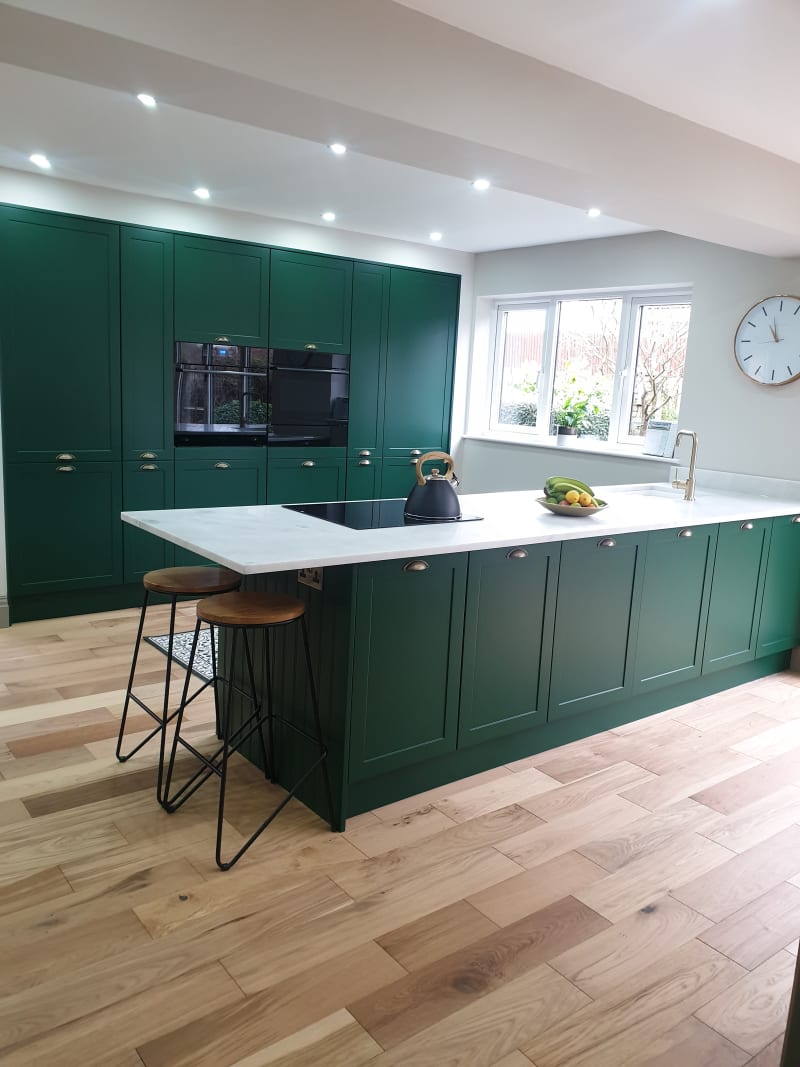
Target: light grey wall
x: 743, y: 427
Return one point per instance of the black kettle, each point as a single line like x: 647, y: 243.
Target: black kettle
x: 433, y: 498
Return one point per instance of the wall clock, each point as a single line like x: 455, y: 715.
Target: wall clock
x: 767, y: 341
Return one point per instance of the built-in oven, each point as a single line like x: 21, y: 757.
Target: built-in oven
x: 242, y: 395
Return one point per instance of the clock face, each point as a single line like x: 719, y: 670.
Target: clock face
x: 767, y: 342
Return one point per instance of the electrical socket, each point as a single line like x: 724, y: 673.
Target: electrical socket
x: 310, y: 576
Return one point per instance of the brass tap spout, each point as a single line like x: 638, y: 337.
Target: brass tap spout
x: 688, y: 485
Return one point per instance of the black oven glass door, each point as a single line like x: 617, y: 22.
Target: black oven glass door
x: 220, y: 390
x: 309, y: 395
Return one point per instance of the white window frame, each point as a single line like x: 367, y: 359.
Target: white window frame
x: 627, y: 350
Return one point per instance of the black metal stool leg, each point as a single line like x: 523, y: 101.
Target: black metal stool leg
x: 273, y: 764
x: 165, y: 715
x: 315, y: 705
x: 164, y: 798
x: 226, y: 735
x: 129, y: 692
x: 217, y: 720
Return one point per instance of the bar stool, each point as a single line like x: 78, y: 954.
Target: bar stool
x: 173, y: 582
x: 238, y: 613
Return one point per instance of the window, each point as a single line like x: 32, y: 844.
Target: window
x: 604, y: 364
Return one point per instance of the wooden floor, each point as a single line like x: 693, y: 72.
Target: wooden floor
x: 632, y: 900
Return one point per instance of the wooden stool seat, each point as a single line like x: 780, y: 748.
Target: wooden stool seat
x: 250, y: 609
x: 192, y: 581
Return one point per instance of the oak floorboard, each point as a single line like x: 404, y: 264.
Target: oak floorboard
x: 414, y: 1003
x: 375, y: 838
x: 750, y: 785
x: 337, y: 1041
x: 236, y: 1031
x: 759, y: 929
x: 44, y: 885
x: 769, y: 1056
x: 437, y: 934
x: 752, y: 1012
x: 748, y: 826
x: 692, y: 1044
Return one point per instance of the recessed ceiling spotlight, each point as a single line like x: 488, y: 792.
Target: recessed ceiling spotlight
x: 338, y: 149
x: 40, y: 160
x: 146, y: 99
x: 202, y: 192
x: 329, y: 216
x: 481, y: 184
x: 435, y: 235
x: 594, y: 212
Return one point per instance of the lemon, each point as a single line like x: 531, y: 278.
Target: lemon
x: 572, y: 497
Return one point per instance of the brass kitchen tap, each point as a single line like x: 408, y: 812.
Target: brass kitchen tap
x: 688, y: 485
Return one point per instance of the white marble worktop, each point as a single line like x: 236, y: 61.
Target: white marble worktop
x: 255, y: 540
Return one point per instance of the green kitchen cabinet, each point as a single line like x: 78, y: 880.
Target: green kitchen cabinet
x: 363, y: 479
x: 506, y: 663
x: 310, y: 301
x: 676, y: 584
x: 736, y: 593
x: 59, y: 336
x: 146, y: 486
x: 305, y: 476
x: 217, y: 478
x: 367, y: 358
x: 397, y: 477
x: 63, y: 526
x: 221, y: 291
x: 408, y: 619
x: 146, y: 344
x: 594, y: 633
x: 779, y: 627
x: 423, y: 312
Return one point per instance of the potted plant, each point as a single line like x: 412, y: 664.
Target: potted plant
x: 573, y: 408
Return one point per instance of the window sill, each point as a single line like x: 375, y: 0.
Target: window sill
x: 582, y: 445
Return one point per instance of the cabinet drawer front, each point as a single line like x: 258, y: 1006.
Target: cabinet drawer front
x: 408, y: 626
x: 510, y: 605
x: 305, y: 481
x: 675, y: 592
x: 736, y: 590
x: 598, y: 589
x: 779, y: 628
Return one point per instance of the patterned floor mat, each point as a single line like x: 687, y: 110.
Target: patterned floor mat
x: 182, y: 647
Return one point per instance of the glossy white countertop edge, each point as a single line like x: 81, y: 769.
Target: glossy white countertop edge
x: 260, y: 539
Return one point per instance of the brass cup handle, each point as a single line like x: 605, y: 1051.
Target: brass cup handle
x: 415, y: 452
x: 449, y: 473
x: 365, y: 452
x: 685, y: 533
x: 148, y: 467
x: 308, y: 463
x: 223, y: 340
x: 517, y: 553
x: 796, y: 518
x: 310, y: 348
x: 364, y: 463
x: 65, y: 468
x: 64, y: 457
x: 221, y: 466
x: 607, y: 542
x: 746, y: 526
x: 416, y: 566
x: 148, y: 455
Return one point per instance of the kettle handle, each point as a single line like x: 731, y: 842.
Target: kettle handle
x: 449, y: 473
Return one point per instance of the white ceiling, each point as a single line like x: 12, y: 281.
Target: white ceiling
x: 250, y: 93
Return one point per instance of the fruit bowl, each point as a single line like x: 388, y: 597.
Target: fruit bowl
x: 568, y: 509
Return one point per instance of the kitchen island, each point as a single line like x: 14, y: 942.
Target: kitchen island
x: 443, y: 650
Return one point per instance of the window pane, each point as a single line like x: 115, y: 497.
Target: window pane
x: 522, y: 340
x: 662, y: 331
x: 586, y: 360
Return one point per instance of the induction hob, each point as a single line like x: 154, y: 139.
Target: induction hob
x: 369, y: 514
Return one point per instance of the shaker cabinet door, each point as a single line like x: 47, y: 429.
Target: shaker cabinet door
x: 779, y: 628
x: 310, y: 301
x: 367, y: 358
x: 409, y: 618
x: 675, y: 591
x: 59, y: 336
x: 596, y: 610
x: 146, y: 486
x: 64, y: 529
x: 306, y: 478
x: 221, y: 291
x: 506, y: 665
x: 736, y: 591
